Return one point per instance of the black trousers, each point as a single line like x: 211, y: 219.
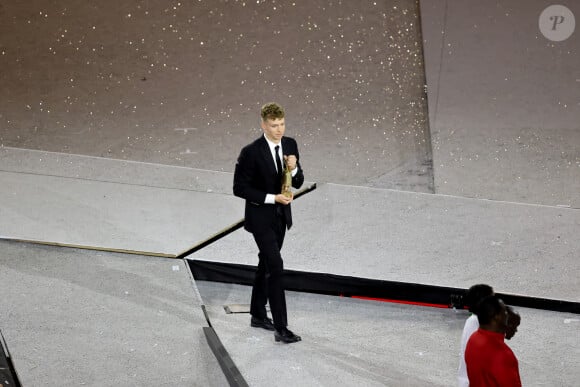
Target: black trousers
x: 268, y: 283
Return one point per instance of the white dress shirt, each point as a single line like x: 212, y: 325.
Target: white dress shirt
x: 471, y: 325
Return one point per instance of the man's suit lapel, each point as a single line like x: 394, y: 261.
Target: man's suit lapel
x: 286, y: 146
x: 267, y: 155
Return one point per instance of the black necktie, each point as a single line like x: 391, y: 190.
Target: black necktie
x: 278, y: 162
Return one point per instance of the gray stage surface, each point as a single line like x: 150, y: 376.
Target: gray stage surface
x: 369, y: 233
x: 356, y: 231
x: 504, y: 101
x: 111, y: 204
x: 76, y: 317
x: 424, y: 238
x: 350, y: 342
x: 120, y: 123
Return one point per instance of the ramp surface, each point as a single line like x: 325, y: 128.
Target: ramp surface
x: 73, y: 209
x: 76, y: 317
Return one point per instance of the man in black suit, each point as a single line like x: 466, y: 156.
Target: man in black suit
x: 258, y: 180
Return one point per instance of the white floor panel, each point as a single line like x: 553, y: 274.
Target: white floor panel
x: 79, y: 210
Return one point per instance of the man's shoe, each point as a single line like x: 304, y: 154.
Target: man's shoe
x: 265, y: 323
x: 286, y: 335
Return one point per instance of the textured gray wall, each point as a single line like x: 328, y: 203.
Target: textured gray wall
x: 504, y: 101
x: 182, y: 83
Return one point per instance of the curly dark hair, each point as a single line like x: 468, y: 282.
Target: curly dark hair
x: 488, y: 308
x: 272, y: 111
x: 475, y: 294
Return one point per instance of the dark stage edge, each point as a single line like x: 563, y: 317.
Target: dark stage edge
x: 380, y: 290
x: 229, y: 368
x: 8, y: 375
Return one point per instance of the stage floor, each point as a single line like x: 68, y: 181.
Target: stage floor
x: 99, y: 313
x: 351, y: 342
x: 77, y: 317
x: 423, y: 238
x: 145, y: 108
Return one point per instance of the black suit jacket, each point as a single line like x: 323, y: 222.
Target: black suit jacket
x: 255, y: 176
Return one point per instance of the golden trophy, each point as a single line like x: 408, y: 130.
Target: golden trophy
x: 286, y: 182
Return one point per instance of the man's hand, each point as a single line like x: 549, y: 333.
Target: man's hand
x: 284, y: 199
x: 290, y: 161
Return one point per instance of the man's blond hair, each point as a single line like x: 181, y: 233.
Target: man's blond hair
x: 272, y: 111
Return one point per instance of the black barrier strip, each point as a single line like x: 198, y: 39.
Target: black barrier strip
x: 232, y: 228
x: 8, y: 376
x: 337, y: 285
x: 226, y: 363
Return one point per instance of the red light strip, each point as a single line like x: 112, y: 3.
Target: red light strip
x: 401, y: 302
